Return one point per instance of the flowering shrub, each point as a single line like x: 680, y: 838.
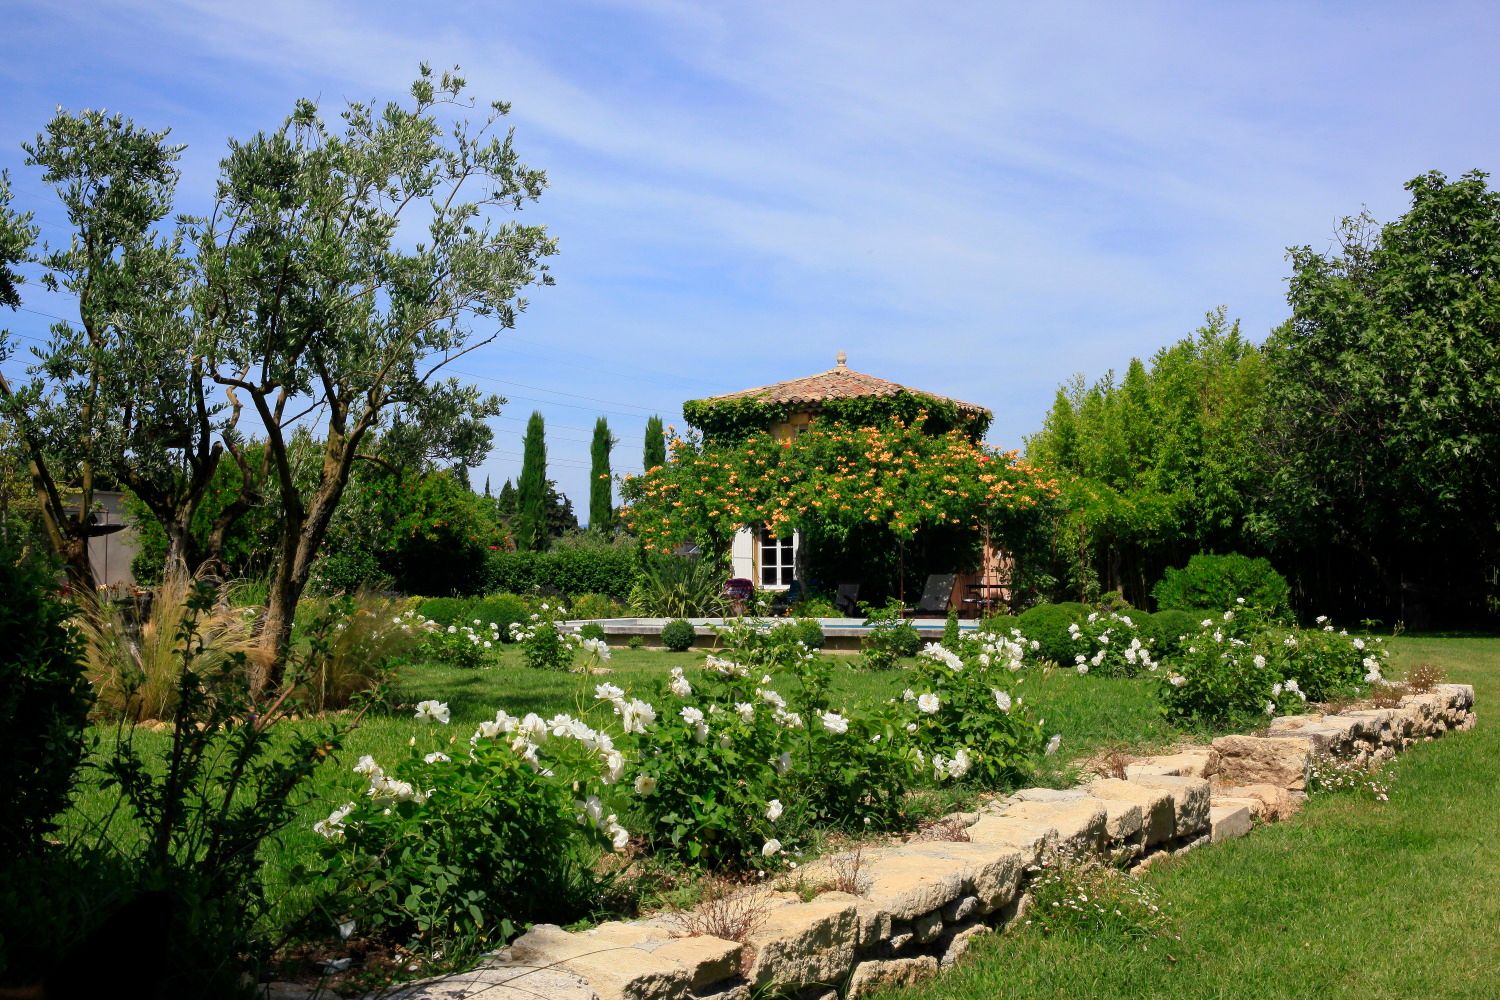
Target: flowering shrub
x: 964, y: 716
x: 454, y: 848
x: 546, y: 644
x: 1240, y: 667
x: 709, y: 767
x: 464, y: 645
x: 890, y: 638
x: 1112, y: 644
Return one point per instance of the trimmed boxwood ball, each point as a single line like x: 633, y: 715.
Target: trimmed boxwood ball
x: 1217, y: 581
x: 591, y: 630
x: 1048, y: 625
x: 1168, y: 628
x: 677, y: 635
x: 811, y: 633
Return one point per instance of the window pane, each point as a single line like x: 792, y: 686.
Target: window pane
x: 768, y: 575
x: 786, y: 575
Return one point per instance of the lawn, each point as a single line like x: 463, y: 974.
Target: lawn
x: 1352, y: 898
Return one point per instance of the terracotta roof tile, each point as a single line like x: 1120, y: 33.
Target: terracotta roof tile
x: 839, y: 382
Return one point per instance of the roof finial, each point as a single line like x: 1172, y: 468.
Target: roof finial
x: 842, y: 358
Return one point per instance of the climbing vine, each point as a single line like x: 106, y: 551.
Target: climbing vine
x: 725, y: 421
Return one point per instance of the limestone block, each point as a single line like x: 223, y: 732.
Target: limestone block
x: 928, y: 927
x: 901, y: 883
x: 1033, y: 838
x: 1079, y: 824
x: 707, y: 959
x: 991, y: 872
x: 1324, y: 737
x: 1186, y: 764
x: 497, y: 982
x: 1122, y: 819
x: 1157, y: 816
x: 1189, y: 801
x: 1191, y: 844
x: 804, y: 944
x: 1227, y: 821
x: 1048, y: 795
x: 1457, y: 696
x: 872, y: 975
x: 960, y: 909
x: 608, y: 957
x: 957, y: 941
x: 1249, y: 760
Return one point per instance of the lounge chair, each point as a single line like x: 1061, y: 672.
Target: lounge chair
x: 846, y: 599
x: 936, y: 596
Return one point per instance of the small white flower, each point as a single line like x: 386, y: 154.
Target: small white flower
x: 773, y: 810
x: 746, y: 711
x: 1002, y: 699
x: 432, y: 711
x: 436, y: 758
x: 771, y: 849
x: 928, y: 703
x: 1176, y: 680
x: 644, y: 784
x: 679, y: 684
x: 1053, y: 744
x: 835, y: 723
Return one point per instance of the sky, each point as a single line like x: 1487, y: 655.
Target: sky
x: 974, y: 199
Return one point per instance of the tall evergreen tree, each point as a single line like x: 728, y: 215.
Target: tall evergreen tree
x: 601, y: 491
x: 531, y: 490
x: 656, y: 445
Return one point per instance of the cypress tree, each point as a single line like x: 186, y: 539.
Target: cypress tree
x: 656, y: 445
x: 531, y: 490
x: 601, y: 506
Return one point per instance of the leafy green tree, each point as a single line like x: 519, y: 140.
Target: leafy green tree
x: 655, y: 450
x: 1159, y: 465
x: 117, y: 397
x: 601, y: 489
x: 1382, y: 416
x: 531, y: 490
x: 559, y: 515
x: 319, y: 306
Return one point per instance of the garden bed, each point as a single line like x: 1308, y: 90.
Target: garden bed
x: 896, y: 914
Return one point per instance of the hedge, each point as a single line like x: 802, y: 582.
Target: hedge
x: 569, y: 571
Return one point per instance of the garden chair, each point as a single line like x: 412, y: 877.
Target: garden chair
x: 936, y: 596
x: 846, y: 599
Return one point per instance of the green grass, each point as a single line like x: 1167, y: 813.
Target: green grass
x: 1352, y: 898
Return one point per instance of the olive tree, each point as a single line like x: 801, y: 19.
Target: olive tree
x: 342, y: 269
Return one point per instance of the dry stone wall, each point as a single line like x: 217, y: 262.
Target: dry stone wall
x: 920, y: 904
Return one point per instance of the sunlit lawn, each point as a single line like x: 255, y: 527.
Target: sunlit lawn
x: 1352, y: 898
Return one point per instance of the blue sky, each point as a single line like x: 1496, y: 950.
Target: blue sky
x: 978, y: 199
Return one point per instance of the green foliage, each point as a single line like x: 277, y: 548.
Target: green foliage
x: 596, y: 606
x: 890, y: 637
x: 44, y: 701
x: 502, y: 610
x: 591, y: 630
x: 370, y: 636
x: 810, y: 633
x: 1048, y: 625
x: 672, y: 586
x: 1241, y: 668
x: 233, y: 779
x: 1165, y: 458
x: 601, y: 503
x: 950, y: 630
x: 654, y: 451
x: 1113, y: 643
x: 567, y: 569
x: 445, y: 610
x: 546, y: 644
x: 1383, y: 443
x: 966, y: 715
x: 730, y: 420
x: 1213, y: 581
x: 452, y: 852
x: 463, y: 644
x: 1171, y: 628
x: 531, y: 488
x: 677, y: 635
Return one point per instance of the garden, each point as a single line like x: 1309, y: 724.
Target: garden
x: 360, y: 725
